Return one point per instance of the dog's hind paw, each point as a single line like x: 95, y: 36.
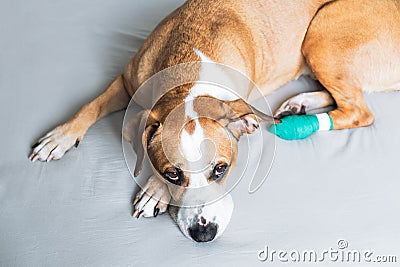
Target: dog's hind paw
x: 152, y: 200
x: 54, y: 144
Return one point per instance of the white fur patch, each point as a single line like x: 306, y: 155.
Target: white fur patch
x: 189, y: 110
x: 190, y: 143
x: 214, y: 81
x: 198, y: 180
x: 191, y: 148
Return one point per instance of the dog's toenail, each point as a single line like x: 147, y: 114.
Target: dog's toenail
x: 303, y: 109
x: 140, y: 213
x: 35, y: 145
x: 77, y: 143
x: 284, y: 114
x: 135, y: 213
x: 156, y: 211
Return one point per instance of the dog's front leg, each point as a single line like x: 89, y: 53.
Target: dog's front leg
x: 304, y: 103
x: 54, y: 144
x: 153, y: 199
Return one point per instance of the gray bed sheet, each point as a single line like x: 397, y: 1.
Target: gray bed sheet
x: 57, y: 55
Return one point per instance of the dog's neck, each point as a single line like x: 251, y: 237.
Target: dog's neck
x: 212, y: 80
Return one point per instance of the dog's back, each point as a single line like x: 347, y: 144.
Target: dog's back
x: 242, y: 34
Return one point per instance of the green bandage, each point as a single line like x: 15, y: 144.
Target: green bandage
x: 301, y: 126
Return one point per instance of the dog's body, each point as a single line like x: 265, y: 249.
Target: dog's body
x: 239, y: 34
x: 349, y: 45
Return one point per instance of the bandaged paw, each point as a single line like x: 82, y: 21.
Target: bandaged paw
x: 302, y: 126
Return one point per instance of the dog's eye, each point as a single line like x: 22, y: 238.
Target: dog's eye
x: 171, y: 175
x: 219, y: 171
x: 174, y: 177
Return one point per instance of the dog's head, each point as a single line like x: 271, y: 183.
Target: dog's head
x: 192, y: 143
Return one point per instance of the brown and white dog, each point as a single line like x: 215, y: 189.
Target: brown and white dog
x: 350, y: 46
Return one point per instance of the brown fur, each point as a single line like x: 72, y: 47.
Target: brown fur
x: 267, y: 41
x: 353, y: 46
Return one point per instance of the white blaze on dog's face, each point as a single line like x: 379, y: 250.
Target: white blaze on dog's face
x: 207, y: 149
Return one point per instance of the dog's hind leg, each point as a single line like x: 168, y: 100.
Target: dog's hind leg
x: 353, y: 53
x: 54, y: 144
x: 346, y: 91
x: 344, y: 86
x: 352, y: 111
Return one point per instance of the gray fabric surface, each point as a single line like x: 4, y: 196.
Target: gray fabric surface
x: 57, y: 55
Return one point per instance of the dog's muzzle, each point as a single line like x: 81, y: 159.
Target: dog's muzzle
x: 205, y: 222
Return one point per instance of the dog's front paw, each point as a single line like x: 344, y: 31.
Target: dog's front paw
x: 54, y: 144
x: 152, y: 200
x: 293, y: 106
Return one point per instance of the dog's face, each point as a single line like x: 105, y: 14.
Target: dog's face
x: 194, y: 161
x: 193, y: 151
x: 193, y: 146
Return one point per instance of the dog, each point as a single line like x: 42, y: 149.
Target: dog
x: 349, y: 46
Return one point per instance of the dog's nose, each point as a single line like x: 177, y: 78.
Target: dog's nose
x: 203, y: 233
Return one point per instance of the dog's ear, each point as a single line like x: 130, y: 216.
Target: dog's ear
x: 243, y: 118
x: 139, y: 131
